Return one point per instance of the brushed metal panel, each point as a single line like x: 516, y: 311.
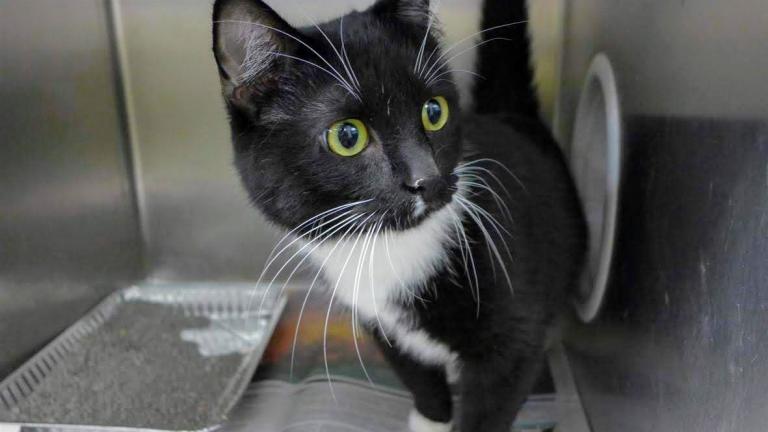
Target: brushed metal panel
x: 67, y: 220
x: 681, y: 343
x: 197, y: 221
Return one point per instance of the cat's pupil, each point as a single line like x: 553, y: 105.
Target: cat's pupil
x: 348, y: 135
x: 434, y: 111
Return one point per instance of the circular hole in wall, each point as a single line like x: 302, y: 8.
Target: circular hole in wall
x: 596, y: 167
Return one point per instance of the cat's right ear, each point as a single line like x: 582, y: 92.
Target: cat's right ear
x: 248, y: 40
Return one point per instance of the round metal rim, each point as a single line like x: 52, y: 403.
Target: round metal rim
x: 601, y: 73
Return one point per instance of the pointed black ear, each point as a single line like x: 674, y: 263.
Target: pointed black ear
x: 410, y: 11
x: 246, y: 36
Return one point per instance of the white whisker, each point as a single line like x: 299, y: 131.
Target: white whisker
x: 276, y: 256
x: 457, y: 44
x: 350, y: 228
x: 337, y: 75
x: 335, y: 50
x: 330, y: 303
x: 395, y: 272
x: 501, y: 165
x: 346, y: 56
x: 484, y: 186
x: 371, y: 282
x: 325, y: 237
x: 297, y: 253
x: 429, y: 75
x: 420, y: 55
x: 355, y: 294
x: 341, y: 83
x: 459, y: 222
x: 467, y: 205
x: 477, y: 172
x: 310, y: 221
x: 449, y: 72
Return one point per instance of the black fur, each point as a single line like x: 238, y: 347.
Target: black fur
x: 285, y: 165
x: 278, y: 119
x: 502, y: 347
x: 505, y: 65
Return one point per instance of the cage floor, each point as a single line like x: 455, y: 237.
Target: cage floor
x: 155, y: 357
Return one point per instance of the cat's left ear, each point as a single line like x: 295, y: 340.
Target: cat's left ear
x: 248, y: 38
x: 410, y: 11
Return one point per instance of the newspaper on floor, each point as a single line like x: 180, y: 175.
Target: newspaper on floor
x: 348, y: 405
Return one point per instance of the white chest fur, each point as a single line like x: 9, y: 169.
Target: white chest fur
x: 372, y: 275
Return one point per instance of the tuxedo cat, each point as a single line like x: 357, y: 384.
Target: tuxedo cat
x: 453, y: 237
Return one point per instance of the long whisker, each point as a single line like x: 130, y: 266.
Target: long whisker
x: 276, y: 256
x: 460, y: 235
x: 337, y: 74
x: 335, y: 50
x: 449, y: 72
x: 395, y: 272
x: 471, y: 259
x: 499, y: 164
x: 429, y: 75
x: 478, y: 172
x: 420, y: 56
x: 444, y: 80
x: 495, y: 225
x: 342, y: 240
x: 489, y: 240
x: 484, y: 186
x: 325, y: 237
x: 346, y: 55
x: 355, y: 297
x: 297, y: 253
x: 330, y: 303
x: 371, y: 282
x: 341, y: 83
x: 498, y: 227
x: 309, y: 222
x: 457, y: 44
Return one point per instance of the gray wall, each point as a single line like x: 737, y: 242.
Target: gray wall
x: 68, y: 228
x: 681, y: 344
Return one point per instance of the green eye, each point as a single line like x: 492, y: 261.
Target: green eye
x: 435, y: 114
x: 347, y: 137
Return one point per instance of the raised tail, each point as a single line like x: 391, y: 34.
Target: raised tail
x: 505, y: 64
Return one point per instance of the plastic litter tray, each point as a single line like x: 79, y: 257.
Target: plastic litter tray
x: 150, y: 357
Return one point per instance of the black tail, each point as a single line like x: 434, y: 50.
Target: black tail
x: 507, y: 86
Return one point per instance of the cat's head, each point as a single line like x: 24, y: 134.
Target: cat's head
x: 356, y: 110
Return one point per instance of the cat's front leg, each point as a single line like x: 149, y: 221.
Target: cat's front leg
x: 494, y: 388
x: 427, y: 383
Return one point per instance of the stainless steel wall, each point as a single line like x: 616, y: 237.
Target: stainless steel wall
x: 68, y: 228
x: 196, y: 221
x: 681, y: 342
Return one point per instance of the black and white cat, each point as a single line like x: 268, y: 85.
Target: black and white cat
x: 453, y: 237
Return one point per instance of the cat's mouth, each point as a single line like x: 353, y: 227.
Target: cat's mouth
x: 432, y: 199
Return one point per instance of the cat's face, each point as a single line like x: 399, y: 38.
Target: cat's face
x: 348, y: 113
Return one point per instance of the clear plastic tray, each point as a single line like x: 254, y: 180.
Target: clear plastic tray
x: 149, y: 357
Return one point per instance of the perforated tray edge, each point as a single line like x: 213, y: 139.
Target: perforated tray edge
x: 22, y: 382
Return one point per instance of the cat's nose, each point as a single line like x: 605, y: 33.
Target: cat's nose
x: 414, y: 185
x: 435, y: 190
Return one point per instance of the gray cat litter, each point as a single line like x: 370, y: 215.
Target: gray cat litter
x: 153, y: 357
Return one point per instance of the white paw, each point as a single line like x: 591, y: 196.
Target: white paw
x: 419, y: 423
